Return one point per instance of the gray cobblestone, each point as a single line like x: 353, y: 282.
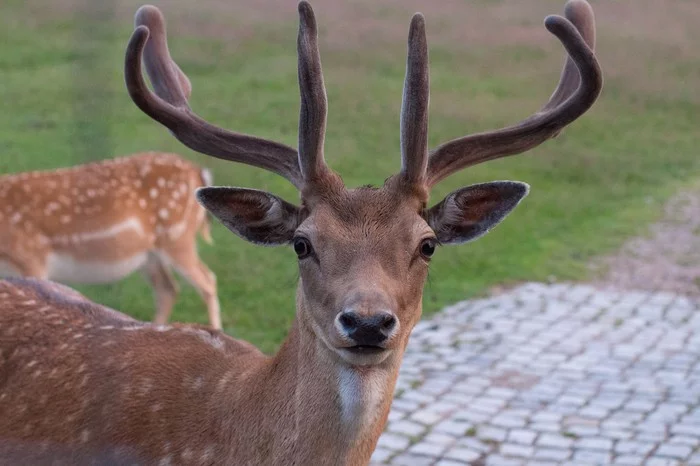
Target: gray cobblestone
x: 555, y: 441
x: 592, y: 456
x: 450, y: 463
x: 550, y: 375
x: 426, y: 416
x: 393, y: 442
x: 494, y: 434
x: 629, y: 460
x: 427, y: 449
x: 595, y: 443
x: 514, y: 449
x: 632, y: 447
x: 522, y: 436
x: 455, y: 428
x: 462, y: 454
x: 381, y: 455
x: 674, y: 451
x: 552, y: 454
x: 661, y: 462
x: 407, y: 428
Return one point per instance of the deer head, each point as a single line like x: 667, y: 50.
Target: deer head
x: 363, y: 253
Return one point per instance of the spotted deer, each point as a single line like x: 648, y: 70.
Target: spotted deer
x: 84, y: 383
x: 99, y: 222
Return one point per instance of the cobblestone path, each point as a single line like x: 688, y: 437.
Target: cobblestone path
x: 551, y: 375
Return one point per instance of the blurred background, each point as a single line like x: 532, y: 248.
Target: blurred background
x: 492, y: 63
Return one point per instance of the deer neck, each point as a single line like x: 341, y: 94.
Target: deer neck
x: 338, y: 410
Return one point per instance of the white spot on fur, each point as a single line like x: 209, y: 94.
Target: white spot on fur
x: 146, y: 386
x: 197, y: 384
x: 130, y: 224
x: 142, y: 203
x: 224, y: 381
x: 153, y: 193
x: 207, y: 454
x: 177, y: 230
x: 85, y: 436
x: 163, y: 213
x: 15, y: 218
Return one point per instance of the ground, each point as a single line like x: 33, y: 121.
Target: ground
x: 551, y: 375
x: 666, y: 258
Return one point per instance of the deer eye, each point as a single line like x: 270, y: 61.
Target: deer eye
x: 427, y: 247
x: 302, y: 247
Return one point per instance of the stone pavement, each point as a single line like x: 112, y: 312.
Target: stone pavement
x: 551, y: 375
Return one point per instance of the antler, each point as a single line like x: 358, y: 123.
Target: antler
x: 314, y: 105
x: 579, y: 86
x: 169, y: 104
x: 414, y: 107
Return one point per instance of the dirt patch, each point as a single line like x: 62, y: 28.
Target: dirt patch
x: 666, y: 259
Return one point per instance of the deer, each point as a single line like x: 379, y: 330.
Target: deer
x: 83, y: 384
x: 100, y: 222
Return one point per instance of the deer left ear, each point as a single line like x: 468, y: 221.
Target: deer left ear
x: 256, y: 216
x: 468, y: 213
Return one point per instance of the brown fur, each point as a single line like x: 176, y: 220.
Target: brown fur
x: 69, y: 212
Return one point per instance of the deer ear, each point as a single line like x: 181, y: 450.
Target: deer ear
x: 255, y: 216
x: 468, y: 213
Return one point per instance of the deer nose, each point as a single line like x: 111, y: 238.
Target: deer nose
x: 369, y: 330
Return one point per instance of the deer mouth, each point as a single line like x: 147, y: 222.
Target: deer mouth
x: 365, y: 349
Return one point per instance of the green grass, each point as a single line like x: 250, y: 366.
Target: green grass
x: 604, y: 179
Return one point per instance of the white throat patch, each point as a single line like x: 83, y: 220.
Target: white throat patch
x: 361, y: 394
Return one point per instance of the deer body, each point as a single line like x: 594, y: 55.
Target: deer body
x: 148, y: 394
x: 100, y: 222
x: 223, y: 408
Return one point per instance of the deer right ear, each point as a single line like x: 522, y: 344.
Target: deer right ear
x: 256, y: 216
x: 468, y: 213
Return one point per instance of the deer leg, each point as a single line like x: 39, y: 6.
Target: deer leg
x: 165, y: 288
x: 188, y: 264
x: 12, y: 267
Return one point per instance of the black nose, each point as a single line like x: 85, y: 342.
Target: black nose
x: 367, y: 330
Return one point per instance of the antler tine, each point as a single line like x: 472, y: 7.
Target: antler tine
x: 581, y: 15
x: 577, y: 91
x: 169, y: 104
x: 314, y: 105
x: 414, y: 107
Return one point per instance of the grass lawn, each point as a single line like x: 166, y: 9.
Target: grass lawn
x: 492, y: 63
